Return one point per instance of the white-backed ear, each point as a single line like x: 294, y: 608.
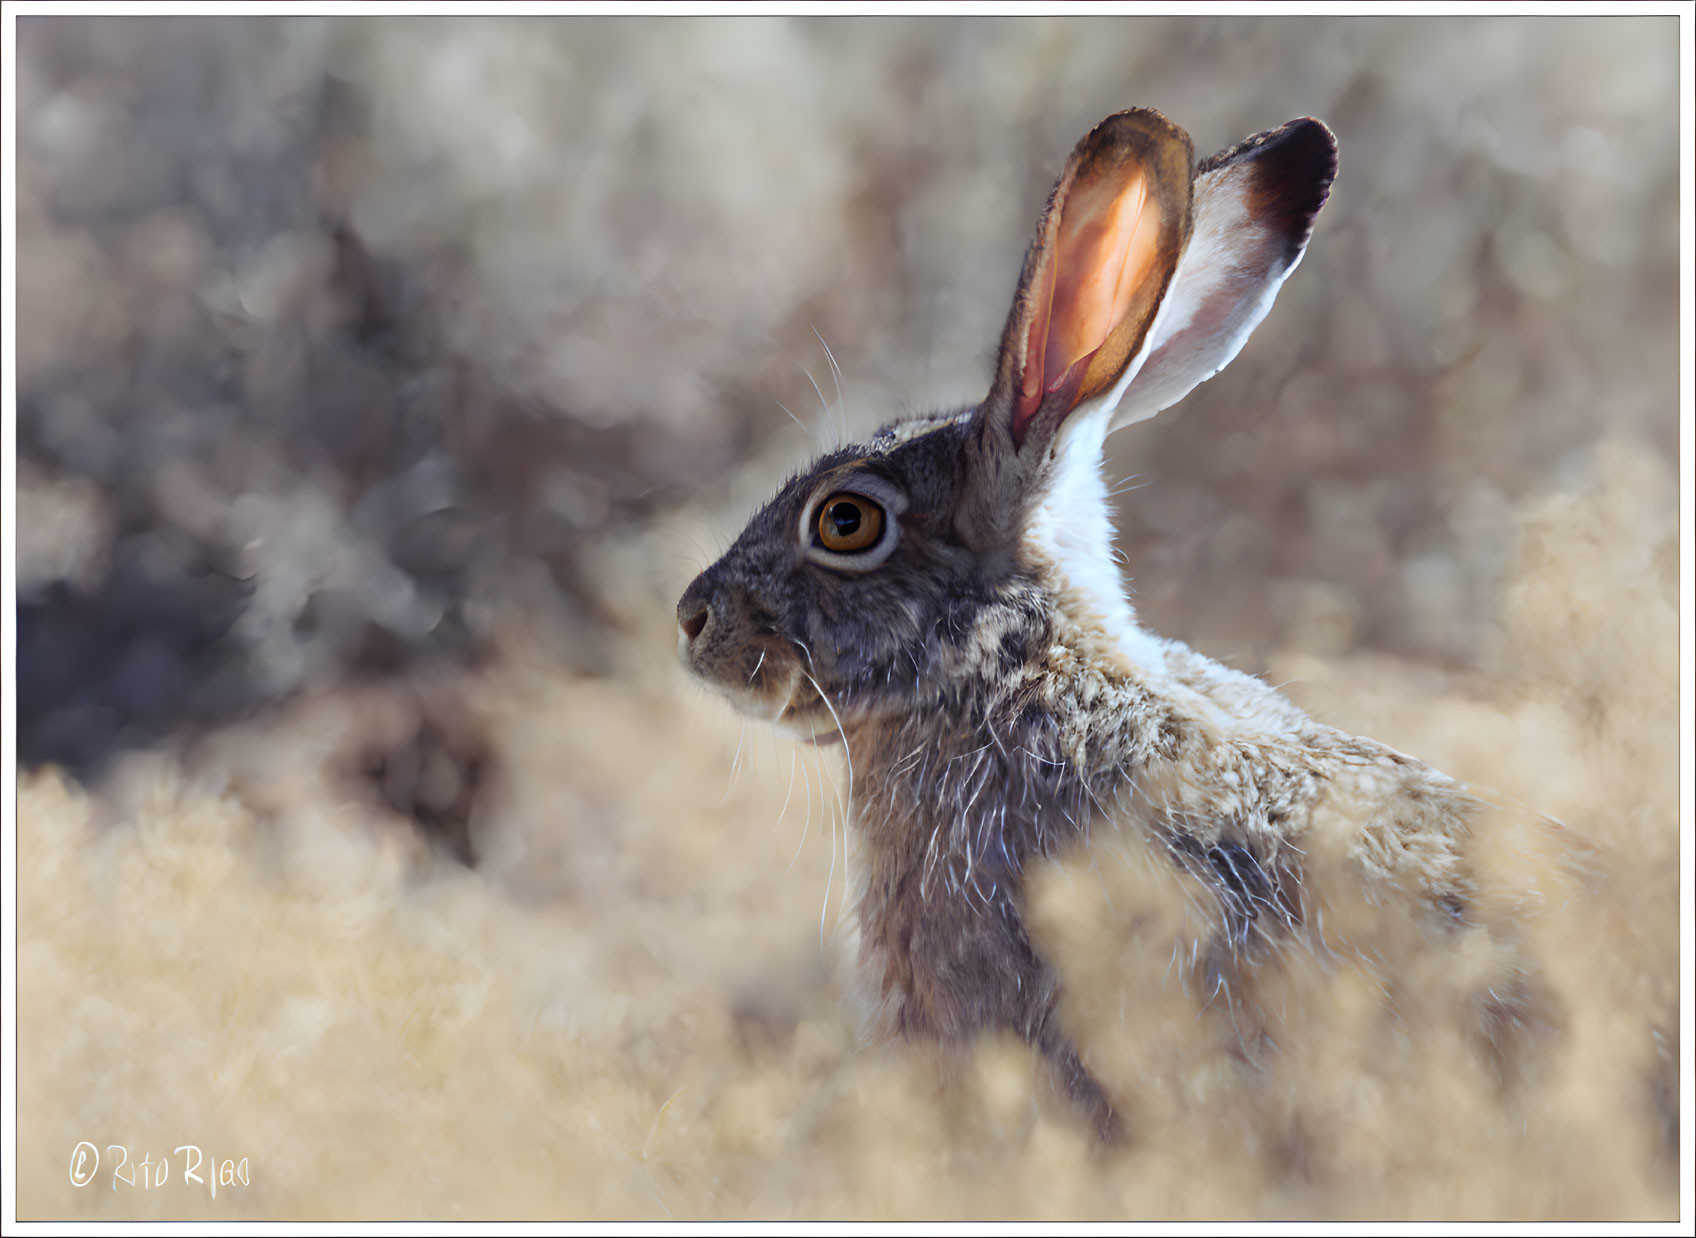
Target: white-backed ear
x: 1253, y: 212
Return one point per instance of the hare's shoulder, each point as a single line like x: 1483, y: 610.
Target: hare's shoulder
x: 1222, y: 753
x: 1368, y: 812
x: 1189, y: 748
x: 1249, y: 705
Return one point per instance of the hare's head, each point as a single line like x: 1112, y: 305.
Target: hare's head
x: 929, y: 561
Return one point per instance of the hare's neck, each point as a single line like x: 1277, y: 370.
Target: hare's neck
x: 947, y: 807
x: 961, y: 794
x: 1069, y: 540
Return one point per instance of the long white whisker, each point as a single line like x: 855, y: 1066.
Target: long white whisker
x: 823, y: 405
x: 790, y: 793
x: 735, y: 764
x: 848, y: 808
x: 794, y: 418
x: 835, y: 378
x: 805, y: 824
x: 818, y: 440
x: 830, y: 874
x: 675, y: 531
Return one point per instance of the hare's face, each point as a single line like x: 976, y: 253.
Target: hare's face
x: 844, y: 594
x: 925, y: 563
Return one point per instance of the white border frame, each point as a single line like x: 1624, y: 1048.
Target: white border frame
x: 1686, y: 12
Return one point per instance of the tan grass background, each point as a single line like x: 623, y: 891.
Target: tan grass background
x: 1435, y: 499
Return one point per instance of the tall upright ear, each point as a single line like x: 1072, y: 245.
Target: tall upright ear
x: 1254, y: 208
x: 1106, y: 248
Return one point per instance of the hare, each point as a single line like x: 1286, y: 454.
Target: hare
x: 941, y: 601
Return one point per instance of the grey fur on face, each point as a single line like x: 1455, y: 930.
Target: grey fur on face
x: 773, y: 627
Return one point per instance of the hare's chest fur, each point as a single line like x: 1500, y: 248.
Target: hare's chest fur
x: 1247, y: 798
x: 961, y: 795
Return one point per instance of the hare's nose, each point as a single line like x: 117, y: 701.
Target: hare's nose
x: 692, y: 618
x: 694, y: 615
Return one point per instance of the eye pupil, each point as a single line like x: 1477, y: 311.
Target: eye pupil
x: 845, y: 518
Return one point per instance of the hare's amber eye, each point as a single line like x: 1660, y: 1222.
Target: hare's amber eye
x: 849, y: 522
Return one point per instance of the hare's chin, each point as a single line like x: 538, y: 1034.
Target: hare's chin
x: 790, y: 716
x: 806, y: 728
x: 804, y: 724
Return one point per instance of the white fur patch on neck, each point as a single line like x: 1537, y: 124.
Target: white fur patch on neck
x: 1072, y: 530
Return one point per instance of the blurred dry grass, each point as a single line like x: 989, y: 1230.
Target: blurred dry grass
x: 381, y: 383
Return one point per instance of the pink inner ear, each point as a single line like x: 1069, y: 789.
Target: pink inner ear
x: 1096, y: 282
x: 1104, y: 253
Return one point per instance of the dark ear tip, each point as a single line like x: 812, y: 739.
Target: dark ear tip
x: 1306, y: 146
x: 1139, y: 118
x: 1138, y: 128
x: 1291, y: 167
x: 1300, y: 173
x: 1309, y: 144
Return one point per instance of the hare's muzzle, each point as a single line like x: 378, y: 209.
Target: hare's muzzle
x: 720, y: 642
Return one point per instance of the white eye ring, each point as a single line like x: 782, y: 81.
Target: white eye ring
x: 873, y: 487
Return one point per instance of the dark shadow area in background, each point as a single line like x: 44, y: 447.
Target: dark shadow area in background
x: 350, y: 407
